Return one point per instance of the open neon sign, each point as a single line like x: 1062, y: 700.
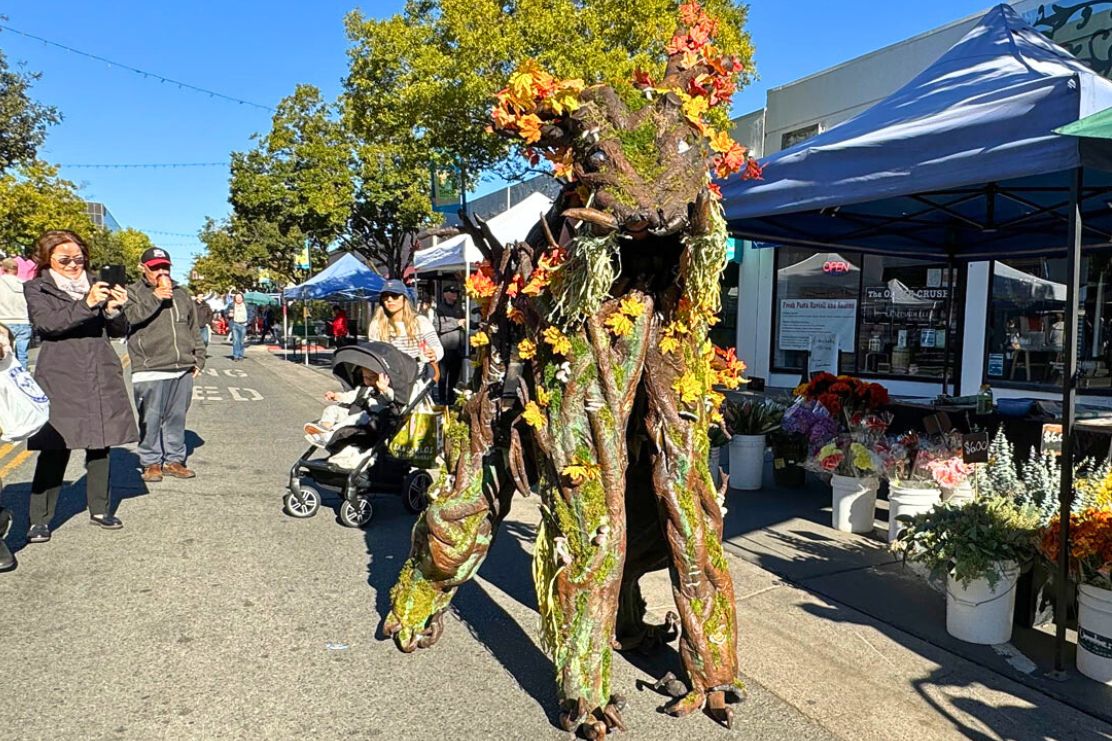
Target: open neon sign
x: 836, y: 267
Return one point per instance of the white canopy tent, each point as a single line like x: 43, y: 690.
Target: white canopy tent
x: 459, y: 252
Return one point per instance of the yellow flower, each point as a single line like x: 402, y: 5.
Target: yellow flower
x: 688, y: 388
x: 631, y: 307
x: 559, y: 341
x: 619, y: 324
x: 862, y: 459
x: 527, y: 349
x: 533, y: 416
x: 543, y: 397
x: 480, y: 339
x: 581, y: 469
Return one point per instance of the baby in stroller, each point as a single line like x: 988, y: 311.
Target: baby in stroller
x: 351, y: 408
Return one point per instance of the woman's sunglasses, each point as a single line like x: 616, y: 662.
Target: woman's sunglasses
x: 66, y: 260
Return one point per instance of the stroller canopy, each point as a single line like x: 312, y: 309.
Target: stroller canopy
x: 381, y: 357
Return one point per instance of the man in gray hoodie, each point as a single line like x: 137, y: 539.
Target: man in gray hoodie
x: 167, y: 353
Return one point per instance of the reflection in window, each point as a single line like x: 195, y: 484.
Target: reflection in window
x: 816, y: 302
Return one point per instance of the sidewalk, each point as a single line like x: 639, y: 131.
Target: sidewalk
x: 853, y: 579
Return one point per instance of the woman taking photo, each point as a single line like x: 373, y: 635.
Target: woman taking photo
x: 397, y: 322
x: 80, y: 373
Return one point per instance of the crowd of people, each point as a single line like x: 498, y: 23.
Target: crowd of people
x: 76, y: 317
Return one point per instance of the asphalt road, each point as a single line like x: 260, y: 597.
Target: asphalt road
x: 211, y: 614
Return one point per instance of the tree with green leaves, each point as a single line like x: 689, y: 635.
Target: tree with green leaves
x: 33, y: 199
x: 123, y: 247
x: 237, y: 250
x: 23, y: 121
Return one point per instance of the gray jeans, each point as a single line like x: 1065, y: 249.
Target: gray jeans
x: 162, y: 407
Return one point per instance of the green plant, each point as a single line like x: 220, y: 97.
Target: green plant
x: 791, y: 447
x: 752, y: 415
x: 971, y: 542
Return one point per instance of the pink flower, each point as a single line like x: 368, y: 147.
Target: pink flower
x: 832, y: 461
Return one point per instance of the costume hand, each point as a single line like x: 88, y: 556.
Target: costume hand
x: 117, y: 298
x: 330, y: 396
x: 98, y: 294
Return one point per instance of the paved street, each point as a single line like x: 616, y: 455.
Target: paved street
x: 213, y: 615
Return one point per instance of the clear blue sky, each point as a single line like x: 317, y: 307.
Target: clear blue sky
x: 258, y: 51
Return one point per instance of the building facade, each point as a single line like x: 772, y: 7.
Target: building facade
x: 907, y: 323
x: 101, y: 216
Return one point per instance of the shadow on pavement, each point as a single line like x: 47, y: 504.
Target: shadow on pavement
x: 124, y: 483
x: 193, y: 441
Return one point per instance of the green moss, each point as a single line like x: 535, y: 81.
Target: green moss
x: 414, y: 599
x: 579, y: 347
x: 640, y: 149
x: 620, y: 374
x: 718, y: 626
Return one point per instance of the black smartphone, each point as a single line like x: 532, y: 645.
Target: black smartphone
x: 113, y: 275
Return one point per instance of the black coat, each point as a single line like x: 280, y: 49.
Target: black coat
x: 79, y: 371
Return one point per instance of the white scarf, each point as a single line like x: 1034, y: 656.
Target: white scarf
x: 77, y: 289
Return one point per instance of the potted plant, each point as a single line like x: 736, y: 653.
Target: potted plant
x: 806, y: 426
x: 1090, y: 564
x: 748, y: 421
x: 912, y: 488
x: 980, y: 549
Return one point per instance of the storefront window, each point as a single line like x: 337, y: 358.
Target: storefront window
x: 817, y: 296
x: 905, y: 311
x: 1026, y: 327
x: 872, y: 315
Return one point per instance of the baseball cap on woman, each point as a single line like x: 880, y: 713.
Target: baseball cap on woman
x: 395, y: 287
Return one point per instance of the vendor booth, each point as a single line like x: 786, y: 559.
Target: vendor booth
x: 961, y: 165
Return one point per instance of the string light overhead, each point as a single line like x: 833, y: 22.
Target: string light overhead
x: 136, y: 70
x: 145, y: 165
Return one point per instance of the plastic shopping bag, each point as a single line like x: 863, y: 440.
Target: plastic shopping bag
x: 420, y: 439
x: 24, y: 408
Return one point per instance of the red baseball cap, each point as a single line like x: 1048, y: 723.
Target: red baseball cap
x: 156, y: 257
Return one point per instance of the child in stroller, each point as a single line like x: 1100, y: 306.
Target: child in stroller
x: 384, y: 385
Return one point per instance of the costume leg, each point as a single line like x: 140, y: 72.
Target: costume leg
x: 692, y: 515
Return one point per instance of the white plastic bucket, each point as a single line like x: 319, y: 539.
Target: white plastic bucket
x: 715, y: 466
x: 980, y: 613
x: 853, y: 503
x: 1094, y: 635
x: 907, y: 501
x: 959, y: 496
x: 747, y: 459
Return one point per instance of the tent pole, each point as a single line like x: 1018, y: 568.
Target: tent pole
x: 1069, y: 374
x: 305, y: 327
x: 947, y: 336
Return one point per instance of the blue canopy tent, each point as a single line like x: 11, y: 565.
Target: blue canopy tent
x: 962, y: 163
x: 347, y: 277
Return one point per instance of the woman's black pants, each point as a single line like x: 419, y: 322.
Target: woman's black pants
x: 50, y: 469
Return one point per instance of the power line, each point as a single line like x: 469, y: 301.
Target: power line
x: 166, y: 234
x: 150, y: 165
x: 136, y: 70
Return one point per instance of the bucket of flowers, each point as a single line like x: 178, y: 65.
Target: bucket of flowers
x: 1090, y: 565
x: 806, y: 426
x: 854, y: 459
x: 912, y: 485
x: 748, y: 422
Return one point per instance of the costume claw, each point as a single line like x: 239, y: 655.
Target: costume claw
x: 669, y: 685
x: 686, y: 705
x: 718, y: 710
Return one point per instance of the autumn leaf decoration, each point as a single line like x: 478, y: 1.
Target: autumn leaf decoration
x: 557, y: 340
x: 532, y: 99
x: 533, y: 416
x: 620, y: 323
x: 582, y: 470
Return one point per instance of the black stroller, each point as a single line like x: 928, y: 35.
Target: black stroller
x: 378, y: 470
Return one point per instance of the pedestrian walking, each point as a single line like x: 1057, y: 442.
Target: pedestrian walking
x: 238, y: 325
x: 80, y: 373
x: 167, y: 353
x: 204, y: 318
x: 397, y: 322
x: 13, y: 308
x: 450, y: 327
x: 338, y: 326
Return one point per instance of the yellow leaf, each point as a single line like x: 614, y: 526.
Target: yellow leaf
x: 619, y: 324
x: 559, y: 342
x: 688, y: 388
x: 669, y: 344
x: 543, y: 397
x: 533, y: 416
x: 527, y: 349
x: 631, y: 307
x: 479, y: 339
x: 581, y: 469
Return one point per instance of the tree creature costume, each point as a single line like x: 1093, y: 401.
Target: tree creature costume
x: 595, y: 386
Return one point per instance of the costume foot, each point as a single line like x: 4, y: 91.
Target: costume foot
x: 651, y: 637
x: 666, y: 685
x: 576, y: 718
x: 409, y: 640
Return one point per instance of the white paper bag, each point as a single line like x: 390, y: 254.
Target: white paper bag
x: 24, y: 408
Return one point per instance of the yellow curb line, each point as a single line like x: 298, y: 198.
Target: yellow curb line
x: 14, y: 463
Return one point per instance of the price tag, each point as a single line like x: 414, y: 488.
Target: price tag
x: 974, y: 447
x: 1051, y: 439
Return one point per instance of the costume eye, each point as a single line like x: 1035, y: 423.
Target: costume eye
x: 597, y: 159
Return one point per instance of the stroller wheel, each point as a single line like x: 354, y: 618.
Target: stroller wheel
x: 356, y: 514
x: 415, y: 491
x: 307, y: 507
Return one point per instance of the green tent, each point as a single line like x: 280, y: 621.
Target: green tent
x: 261, y: 299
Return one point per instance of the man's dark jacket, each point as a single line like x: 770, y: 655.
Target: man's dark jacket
x: 447, y: 326
x: 164, y: 335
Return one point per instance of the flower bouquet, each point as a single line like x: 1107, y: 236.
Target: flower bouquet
x: 844, y: 396
x: 1090, y: 564
x: 748, y: 421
